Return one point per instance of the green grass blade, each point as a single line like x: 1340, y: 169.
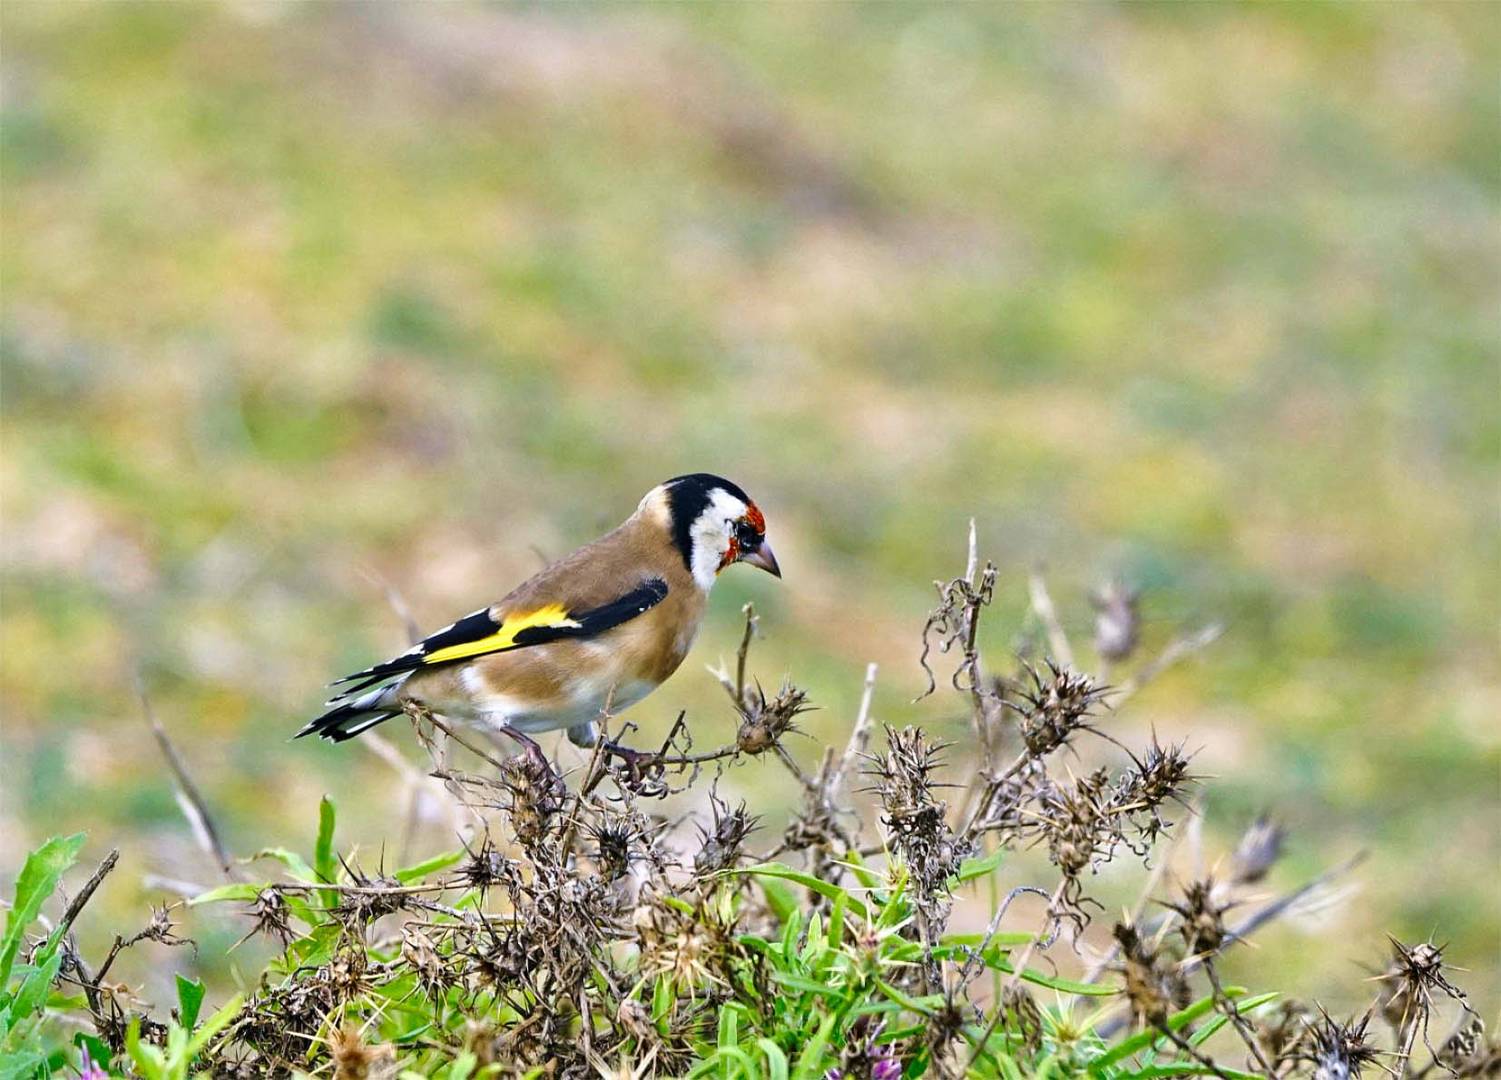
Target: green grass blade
x: 823, y: 888
x: 1143, y: 1039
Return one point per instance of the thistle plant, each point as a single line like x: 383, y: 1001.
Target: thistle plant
x: 581, y: 929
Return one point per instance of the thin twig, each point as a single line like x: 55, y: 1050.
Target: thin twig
x: 1042, y: 607
x: 397, y: 604
x: 749, y: 611
x: 86, y: 893
x: 189, y: 799
x: 1177, y: 649
x: 859, y: 736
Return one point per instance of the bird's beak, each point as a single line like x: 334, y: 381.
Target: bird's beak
x: 764, y: 558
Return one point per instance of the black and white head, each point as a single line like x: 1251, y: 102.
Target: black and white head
x: 713, y: 524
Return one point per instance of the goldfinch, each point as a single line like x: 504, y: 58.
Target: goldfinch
x: 601, y: 628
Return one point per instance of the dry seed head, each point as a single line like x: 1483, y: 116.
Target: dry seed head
x: 1117, y: 622
x: 721, y: 842
x: 486, y: 867
x: 1258, y: 849
x: 1283, y: 1031
x: 1022, y: 1016
x: 1153, y: 984
x: 1203, y: 918
x: 634, y: 1019
x: 1467, y: 1052
x: 271, y: 915
x: 617, y: 843
x: 763, y: 723
x: 355, y: 1060
x: 1056, y: 705
x: 537, y: 795
x: 1339, y: 1051
x: 1159, y: 777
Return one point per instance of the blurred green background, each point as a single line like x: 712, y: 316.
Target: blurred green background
x: 1203, y: 296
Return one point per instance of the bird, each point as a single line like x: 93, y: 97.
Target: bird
x: 597, y: 630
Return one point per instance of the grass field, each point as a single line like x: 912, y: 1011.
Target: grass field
x: 297, y: 299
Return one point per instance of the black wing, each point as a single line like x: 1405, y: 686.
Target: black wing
x: 480, y: 633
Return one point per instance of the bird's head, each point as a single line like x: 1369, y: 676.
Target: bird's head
x: 713, y: 523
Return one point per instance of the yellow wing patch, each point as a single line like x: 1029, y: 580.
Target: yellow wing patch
x: 553, y: 615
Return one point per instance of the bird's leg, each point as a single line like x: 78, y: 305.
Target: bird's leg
x: 638, y: 761
x: 530, y: 748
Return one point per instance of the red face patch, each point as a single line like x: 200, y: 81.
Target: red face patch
x: 754, y: 516
x: 731, y: 554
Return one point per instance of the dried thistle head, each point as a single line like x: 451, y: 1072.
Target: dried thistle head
x: 686, y: 943
x: 354, y: 1059
x: 1153, y: 983
x: 1282, y: 1032
x: 1021, y: 1016
x: 1467, y: 1052
x: 369, y: 897
x: 764, y: 723
x: 536, y: 797
x: 1053, y: 705
x: 914, y: 817
x: 1076, y: 822
x: 271, y: 916
x: 721, y: 843
x: 1338, y: 1051
x: 1117, y: 621
x: 1202, y: 917
x: 486, y: 867
x: 1259, y: 848
x: 1410, y: 983
x: 1157, y: 778
x: 616, y: 841
x: 422, y: 956
x: 346, y: 975
x: 634, y: 1019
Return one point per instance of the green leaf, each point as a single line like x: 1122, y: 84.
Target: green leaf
x: 781, y: 899
x: 33, y: 990
x: 148, y: 1059
x: 38, y: 879
x: 21, y: 1064
x: 239, y: 890
x: 421, y: 870
x: 661, y: 1004
x: 1143, y: 1039
x: 1066, y: 986
x: 729, y: 1027
x: 1198, y: 1038
x: 291, y: 860
x: 325, y: 864
x: 189, y: 1001
x: 810, y: 1061
x: 776, y: 1061
x: 971, y: 869
x: 807, y: 881
x: 212, y: 1026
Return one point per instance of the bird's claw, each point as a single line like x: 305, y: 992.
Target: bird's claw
x: 643, y: 769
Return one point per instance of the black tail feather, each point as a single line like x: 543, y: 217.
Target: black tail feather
x: 344, y: 722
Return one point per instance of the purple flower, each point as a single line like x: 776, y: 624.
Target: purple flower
x: 87, y: 1070
x: 888, y: 1068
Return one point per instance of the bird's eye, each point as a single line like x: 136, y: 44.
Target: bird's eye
x: 746, y: 537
